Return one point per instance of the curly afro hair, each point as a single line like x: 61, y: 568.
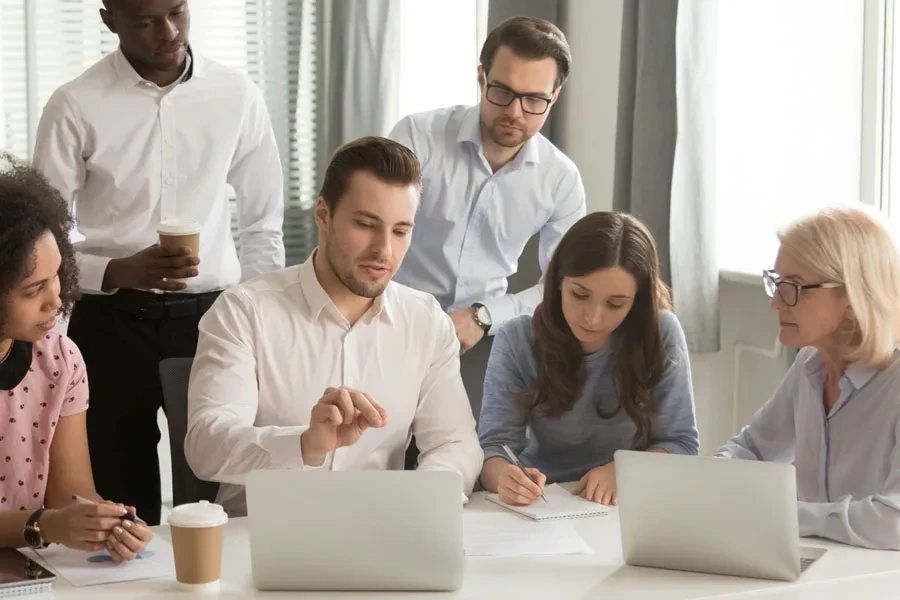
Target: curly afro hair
x: 29, y: 207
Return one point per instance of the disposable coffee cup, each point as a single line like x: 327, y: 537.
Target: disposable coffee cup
x: 178, y: 233
x: 198, y: 534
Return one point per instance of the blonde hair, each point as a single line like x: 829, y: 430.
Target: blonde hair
x: 853, y: 246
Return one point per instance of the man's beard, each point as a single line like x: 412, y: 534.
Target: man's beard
x: 360, y: 288
x: 506, y: 140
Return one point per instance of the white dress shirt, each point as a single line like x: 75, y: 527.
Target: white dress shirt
x: 126, y: 154
x: 473, y: 223
x: 847, y: 461
x: 270, y: 348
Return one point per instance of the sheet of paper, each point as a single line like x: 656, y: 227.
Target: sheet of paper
x: 504, y: 534
x: 93, y: 568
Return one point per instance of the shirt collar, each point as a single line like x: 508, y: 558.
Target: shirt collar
x: 193, y: 67
x: 858, y: 375
x: 318, y: 299
x: 470, y: 132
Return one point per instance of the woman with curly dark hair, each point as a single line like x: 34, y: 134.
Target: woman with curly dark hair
x: 44, y: 461
x: 601, y: 366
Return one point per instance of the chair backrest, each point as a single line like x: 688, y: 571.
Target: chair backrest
x: 174, y: 374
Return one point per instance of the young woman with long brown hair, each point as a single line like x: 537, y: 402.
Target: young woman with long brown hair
x: 601, y: 366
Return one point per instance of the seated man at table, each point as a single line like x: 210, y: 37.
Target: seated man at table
x: 330, y: 363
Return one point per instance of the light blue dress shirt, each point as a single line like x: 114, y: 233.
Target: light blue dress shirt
x: 847, y: 461
x: 473, y: 223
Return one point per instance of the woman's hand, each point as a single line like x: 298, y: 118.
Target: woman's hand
x: 517, y: 488
x: 128, y: 539
x: 82, y: 526
x: 599, y: 485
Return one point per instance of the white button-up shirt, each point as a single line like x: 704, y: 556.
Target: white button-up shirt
x: 126, y: 154
x: 473, y: 223
x: 270, y: 348
x: 847, y: 461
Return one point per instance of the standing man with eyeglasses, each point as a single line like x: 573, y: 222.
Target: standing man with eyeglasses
x: 490, y: 182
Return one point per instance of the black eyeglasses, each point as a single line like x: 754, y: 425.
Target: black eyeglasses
x: 501, y: 96
x: 789, y: 291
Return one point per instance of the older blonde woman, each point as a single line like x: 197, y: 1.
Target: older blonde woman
x: 836, y: 287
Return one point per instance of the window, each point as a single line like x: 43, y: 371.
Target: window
x: 789, y: 121
x: 446, y: 74
x: 45, y: 43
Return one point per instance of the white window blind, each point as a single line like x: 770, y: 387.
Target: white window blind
x: 44, y: 43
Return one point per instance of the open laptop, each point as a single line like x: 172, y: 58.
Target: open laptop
x: 710, y: 515
x: 355, y: 530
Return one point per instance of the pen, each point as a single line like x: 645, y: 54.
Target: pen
x: 516, y: 462
x: 126, y: 516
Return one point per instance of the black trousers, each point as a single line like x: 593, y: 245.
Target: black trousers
x: 123, y: 337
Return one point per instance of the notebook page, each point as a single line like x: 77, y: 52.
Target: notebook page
x: 560, y: 504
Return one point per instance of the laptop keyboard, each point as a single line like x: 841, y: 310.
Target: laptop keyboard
x: 805, y: 562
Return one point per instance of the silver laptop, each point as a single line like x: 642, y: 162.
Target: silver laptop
x: 355, y: 530
x: 711, y: 515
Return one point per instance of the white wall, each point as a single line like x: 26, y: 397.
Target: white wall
x: 586, y: 118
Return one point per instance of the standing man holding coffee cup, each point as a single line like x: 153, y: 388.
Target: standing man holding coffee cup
x: 143, y: 146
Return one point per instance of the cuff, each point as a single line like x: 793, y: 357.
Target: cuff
x: 501, y: 310
x: 494, y: 451
x: 283, y: 446
x: 91, y: 271
x: 811, y: 517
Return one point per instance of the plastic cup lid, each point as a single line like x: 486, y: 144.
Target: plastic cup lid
x: 178, y: 227
x: 198, y: 514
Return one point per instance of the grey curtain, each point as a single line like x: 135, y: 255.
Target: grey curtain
x: 658, y: 178
x: 359, y: 44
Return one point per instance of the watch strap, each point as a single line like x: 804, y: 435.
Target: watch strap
x: 31, y: 525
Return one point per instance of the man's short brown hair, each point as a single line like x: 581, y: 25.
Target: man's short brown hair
x: 532, y: 39
x: 386, y: 159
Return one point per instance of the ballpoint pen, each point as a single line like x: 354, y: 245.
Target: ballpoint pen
x: 126, y: 516
x: 516, y: 462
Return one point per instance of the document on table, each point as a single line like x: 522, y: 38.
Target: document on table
x: 505, y: 534
x: 93, y: 568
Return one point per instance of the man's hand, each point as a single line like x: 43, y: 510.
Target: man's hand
x: 468, y: 332
x: 151, y: 268
x: 339, y: 419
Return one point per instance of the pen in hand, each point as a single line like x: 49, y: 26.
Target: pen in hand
x: 127, y: 516
x: 515, y: 461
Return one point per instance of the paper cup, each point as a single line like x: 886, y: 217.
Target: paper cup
x: 198, y: 535
x: 176, y: 233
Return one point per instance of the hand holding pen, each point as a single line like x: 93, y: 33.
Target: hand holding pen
x: 519, y: 485
x: 125, y: 539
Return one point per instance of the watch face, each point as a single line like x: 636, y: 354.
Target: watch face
x: 33, y: 538
x: 483, y: 315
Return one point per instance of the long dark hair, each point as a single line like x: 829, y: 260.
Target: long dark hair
x: 602, y: 240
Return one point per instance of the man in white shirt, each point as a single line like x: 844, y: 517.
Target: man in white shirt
x: 154, y: 131
x: 330, y: 363
x: 490, y: 182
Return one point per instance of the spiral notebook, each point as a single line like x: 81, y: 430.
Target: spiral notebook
x: 560, y: 504
x: 22, y: 577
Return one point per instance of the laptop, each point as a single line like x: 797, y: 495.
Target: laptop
x: 710, y: 515
x: 355, y: 530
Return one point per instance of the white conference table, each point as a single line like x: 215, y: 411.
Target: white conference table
x: 843, y: 572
